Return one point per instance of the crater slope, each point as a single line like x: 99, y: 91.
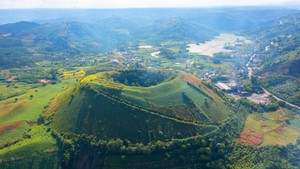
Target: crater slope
x: 137, y: 105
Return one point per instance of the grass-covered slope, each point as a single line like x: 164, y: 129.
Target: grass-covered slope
x: 172, y: 108
x: 29, y: 105
x: 179, y: 98
x: 36, y: 149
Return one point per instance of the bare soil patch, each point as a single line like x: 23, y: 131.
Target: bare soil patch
x: 264, y: 75
x: 191, y: 78
x: 259, y: 98
x: 263, y: 124
x: 251, y: 137
x: 46, y: 81
x: 279, y: 129
x: 11, y: 79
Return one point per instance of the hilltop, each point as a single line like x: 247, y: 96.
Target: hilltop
x: 120, y: 88
x: 160, y: 106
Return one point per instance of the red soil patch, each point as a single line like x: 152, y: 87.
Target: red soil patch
x: 191, y: 78
x: 279, y: 129
x: 46, y: 81
x: 263, y: 124
x: 12, y: 79
x: 197, y: 82
x: 250, y: 137
x: 54, y: 105
x: 12, y: 107
x: 10, y: 126
x: 264, y: 75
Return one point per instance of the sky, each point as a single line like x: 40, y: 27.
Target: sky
x: 140, y: 3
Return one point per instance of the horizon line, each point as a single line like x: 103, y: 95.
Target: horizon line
x: 186, y: 7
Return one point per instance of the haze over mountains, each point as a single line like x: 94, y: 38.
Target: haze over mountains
x: 76, y: 32
x: 119, y: 88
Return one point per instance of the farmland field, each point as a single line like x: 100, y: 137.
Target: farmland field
x: 271, y: 127
x: 39, y: 142
x: 140, y: 87
x: 216, y: 45
x: 9, y: 90
x: 29, y: 106
x: 296, y: 122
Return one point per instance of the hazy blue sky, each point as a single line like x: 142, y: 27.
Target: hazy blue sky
x: 139, y: 3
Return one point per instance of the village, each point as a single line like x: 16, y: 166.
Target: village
x: 225, y: 61
x: 229, y: 81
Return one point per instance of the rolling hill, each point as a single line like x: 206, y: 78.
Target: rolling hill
x: 75, y: 91
x: 178, y: 106
x: 178, y: 29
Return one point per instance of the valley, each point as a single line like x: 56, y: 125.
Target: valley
x: 170, y: 90
x: 220, y: 44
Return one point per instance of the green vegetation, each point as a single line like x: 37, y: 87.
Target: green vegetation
x: 93, y: 91
x: 280, y: 66
x: 8, y: 137
x: 273, y: 128
x: 25, y: 107
x: 252, y: 85
x: 37, y: 144
x: 167, y: 53
x: 37, y: 141
x: 142, y: 78
x: 91, y: 105
x: 284, y: 87
x: 9, y: 90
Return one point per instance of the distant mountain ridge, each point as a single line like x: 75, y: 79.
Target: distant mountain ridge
x: 17, y: 27
x: 73, y: 34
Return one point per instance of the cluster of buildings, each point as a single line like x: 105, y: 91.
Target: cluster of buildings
x: 232, y: 87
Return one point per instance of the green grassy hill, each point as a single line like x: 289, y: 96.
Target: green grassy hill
x: 174, y: 108
x: 137, y: 119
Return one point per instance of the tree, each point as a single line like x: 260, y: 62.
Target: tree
x: 254, y: 80
x: 206, y: 102
x: 298, y: 141
x: 54, y: 74
x: 167, y: 53
x: 217, y: 61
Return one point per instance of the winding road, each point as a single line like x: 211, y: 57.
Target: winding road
x: 250, y: 73
x: 277, y: 98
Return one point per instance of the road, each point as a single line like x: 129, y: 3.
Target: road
x: 277, y: 98
x: 250, y: 73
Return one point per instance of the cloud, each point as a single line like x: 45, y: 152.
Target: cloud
x: 137, y: 3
